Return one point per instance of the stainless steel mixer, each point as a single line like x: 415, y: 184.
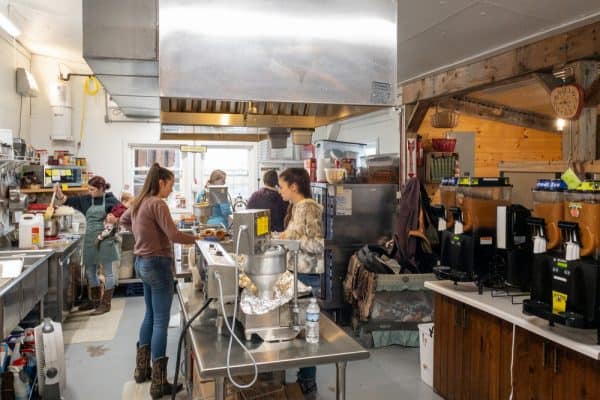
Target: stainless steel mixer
x: 266, y: 262
x: 264, y: 269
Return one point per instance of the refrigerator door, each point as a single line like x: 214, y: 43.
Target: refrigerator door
x: 353, y: 215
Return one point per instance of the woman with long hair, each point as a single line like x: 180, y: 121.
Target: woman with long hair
x: 153, y: 229
x: 96, y: 206
x: 304, y: 222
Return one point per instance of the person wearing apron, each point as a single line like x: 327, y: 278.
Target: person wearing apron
x: 105, y: 253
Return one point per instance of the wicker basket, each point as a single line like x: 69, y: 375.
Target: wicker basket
x: 446, y: 119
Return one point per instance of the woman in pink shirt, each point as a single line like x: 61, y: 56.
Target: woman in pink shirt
x: 154, y: 231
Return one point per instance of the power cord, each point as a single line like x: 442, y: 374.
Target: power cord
x: 512, y: 363
x: 232, y: 335
x: 179, y: 346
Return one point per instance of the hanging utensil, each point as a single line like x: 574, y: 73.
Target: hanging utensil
x: 50, y: 210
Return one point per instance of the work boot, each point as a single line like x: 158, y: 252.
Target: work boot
x: 94, y: 300
x: 104, y: 306
x: 143, y: 371
x: 160, y: 386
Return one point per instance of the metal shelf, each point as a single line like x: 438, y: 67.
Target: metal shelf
x: 129, y: 280
x: 13, y: 163
x: 72, y: 189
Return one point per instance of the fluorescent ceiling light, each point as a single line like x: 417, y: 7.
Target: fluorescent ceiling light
x: 9, y: 26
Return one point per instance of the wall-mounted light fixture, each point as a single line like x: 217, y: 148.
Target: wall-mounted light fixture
x: 26, y: 84
x: 560, y: 124
x: 9, y: 26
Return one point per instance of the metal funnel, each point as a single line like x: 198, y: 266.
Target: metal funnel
x: 264, y: 269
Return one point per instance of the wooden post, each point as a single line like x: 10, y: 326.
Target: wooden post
x: 402, y: 150
x: 579, y: 140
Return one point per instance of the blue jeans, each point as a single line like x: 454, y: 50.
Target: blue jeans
x: 91, y: 273
x: 314, y: 281
x: 157, y: 275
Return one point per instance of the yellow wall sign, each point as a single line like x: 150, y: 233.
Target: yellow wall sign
x: 188, y: 148
x: 559, y: 302
x: 262, y: 225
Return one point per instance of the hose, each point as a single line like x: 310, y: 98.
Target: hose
x: 86, y: 86
x: 86, y: 92
x: 180, y: 344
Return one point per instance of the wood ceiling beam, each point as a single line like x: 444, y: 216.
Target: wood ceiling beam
x: 499, y: 113
x: 592, y: 95
x: 417, y: 115
x: 578, y: 44
x: 547, y: 81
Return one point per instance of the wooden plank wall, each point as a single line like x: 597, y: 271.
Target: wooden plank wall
x: 496, y: 141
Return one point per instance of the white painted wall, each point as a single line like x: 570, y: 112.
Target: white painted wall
x: 13, y: 55
x: 381, y: 126
x: 103, y: 144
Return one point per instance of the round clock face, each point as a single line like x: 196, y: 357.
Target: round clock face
x: 567, y: 101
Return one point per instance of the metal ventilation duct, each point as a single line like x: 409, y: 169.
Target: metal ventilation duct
x: 120, y: 46
x: 248, y: 64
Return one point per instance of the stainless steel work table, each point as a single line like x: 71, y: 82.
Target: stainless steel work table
x: 18, y: 296
x: 58, y: 300
x: 210, y: 349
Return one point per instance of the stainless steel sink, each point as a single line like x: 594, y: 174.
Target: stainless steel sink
x: 19, y: 295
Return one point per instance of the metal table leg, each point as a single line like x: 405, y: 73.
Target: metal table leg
x: 220, y: 388
x: 340, y: 381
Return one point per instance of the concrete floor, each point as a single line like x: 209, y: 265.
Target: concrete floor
x: 100, y: 370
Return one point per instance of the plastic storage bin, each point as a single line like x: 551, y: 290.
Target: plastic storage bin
x: 426, y: 352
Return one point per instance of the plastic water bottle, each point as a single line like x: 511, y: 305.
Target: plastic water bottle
x: 313, y: 314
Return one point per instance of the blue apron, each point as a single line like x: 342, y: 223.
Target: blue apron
x: 107, y: 251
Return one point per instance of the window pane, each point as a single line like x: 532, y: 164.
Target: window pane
x: 144, y: 157
x: 235, y: 162
x: 168, y: 158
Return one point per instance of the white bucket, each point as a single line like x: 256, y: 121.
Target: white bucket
x: 426, y: 352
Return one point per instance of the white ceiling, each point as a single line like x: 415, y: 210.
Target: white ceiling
x: 50, y: 27
x: 431, y: 33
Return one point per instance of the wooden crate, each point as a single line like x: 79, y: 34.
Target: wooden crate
x: 268, y: 387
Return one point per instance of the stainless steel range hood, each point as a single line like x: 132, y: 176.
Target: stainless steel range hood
x: 255, y: 64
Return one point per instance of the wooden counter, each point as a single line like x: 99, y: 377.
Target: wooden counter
x: 473, y: 351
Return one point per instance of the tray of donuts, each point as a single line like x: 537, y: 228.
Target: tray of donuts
x: 214, y: 234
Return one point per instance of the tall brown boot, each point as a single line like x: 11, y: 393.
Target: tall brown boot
x: 143, y: 371
x: 94, y: 300
x: 160, y: 386
x: 104, y: 306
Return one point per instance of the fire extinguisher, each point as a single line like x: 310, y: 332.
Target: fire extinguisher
x: 420, y: 159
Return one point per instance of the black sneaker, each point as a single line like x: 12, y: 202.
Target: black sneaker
x: 308, y: 388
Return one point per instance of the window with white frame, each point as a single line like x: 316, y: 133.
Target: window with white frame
x: 235, y: 161
x: 167, y: 156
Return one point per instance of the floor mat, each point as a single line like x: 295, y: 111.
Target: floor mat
x: 134, y: 391
x: 82, y: 327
